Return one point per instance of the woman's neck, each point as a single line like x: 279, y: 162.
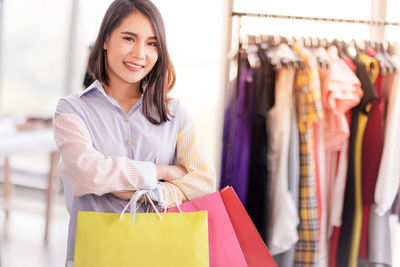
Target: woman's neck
x: 125, y: 94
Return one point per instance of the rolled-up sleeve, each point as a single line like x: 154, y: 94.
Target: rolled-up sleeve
x: 201, y: 177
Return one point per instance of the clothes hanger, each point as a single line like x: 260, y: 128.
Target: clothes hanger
x: 303, y: 41
x: 294, y: 58
x: 315, y: 45
x: 270, y: 40
x: 388, y: 53
x: 383, y: 65
x: 326, y: 43
x: 369, y: 48
x: 252, y: 57
x: 362, y: 47
x: 266, y: 47
x: 283, y: 40
x: 251, y: 39
x: 293, y: 41
x: 314, y: 42
x: 283, y: 56
x: 263, y: 41
x: 387, y: 57
x: 367, y: 44
x: 319, y: 42
x: 348, y: 50
x: 308, y: 41
x: 281, y: 52
x: 258, y: 39
x: 350, y: 54
x: 335, y: 42
x: 281, y: 61
x: 251, y: 52
x: 352, y: 49
x: 341, y: 49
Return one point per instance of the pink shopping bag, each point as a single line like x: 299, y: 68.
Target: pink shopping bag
x: 224, y: 248
x: 253, y: 247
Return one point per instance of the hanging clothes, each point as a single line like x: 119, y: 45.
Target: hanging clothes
x: 286, y: 259
x: 264, y: 91
x: 347, y: 251
x: 302, y: 165
x: 320, y: 162
x: 237, y: 133
x: 377, y: 243
x: 309, y: 110
x: 387, y: 185
x: 372, y: 145
x: 371, y: 156
x: 372, y: 246
x: 341, y: 91
x: 282, y: 229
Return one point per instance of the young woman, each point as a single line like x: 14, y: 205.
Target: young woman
x: 123, y: 133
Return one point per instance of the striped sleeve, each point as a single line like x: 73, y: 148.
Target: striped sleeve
x: 201, y: 177
x: 87, y: 171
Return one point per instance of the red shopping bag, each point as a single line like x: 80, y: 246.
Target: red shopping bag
x: 224, y: 248
x: 253, y: 247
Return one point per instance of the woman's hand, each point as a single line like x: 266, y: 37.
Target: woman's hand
x: 164, y: 172
x: 128, y: 195
x: 170, y: 173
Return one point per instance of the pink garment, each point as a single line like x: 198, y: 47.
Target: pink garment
x: 341, y: 91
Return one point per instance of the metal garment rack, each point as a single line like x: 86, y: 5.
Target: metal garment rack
x: 372, y: 23
x: 354, y: 21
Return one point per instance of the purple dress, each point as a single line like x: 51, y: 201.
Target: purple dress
x: 237, y: 134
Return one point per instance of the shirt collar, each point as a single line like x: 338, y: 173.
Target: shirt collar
x: 95, y: 85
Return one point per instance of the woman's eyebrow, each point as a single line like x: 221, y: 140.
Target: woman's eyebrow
x: 136, y: 35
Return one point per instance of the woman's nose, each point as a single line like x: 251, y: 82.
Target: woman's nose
x: 138, y: 50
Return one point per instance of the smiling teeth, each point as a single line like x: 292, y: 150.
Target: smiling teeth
x: 134, y: 65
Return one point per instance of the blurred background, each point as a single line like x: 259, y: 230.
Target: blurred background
x: 44, y: 46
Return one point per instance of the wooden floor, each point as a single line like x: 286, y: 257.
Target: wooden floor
x: 22, y: 235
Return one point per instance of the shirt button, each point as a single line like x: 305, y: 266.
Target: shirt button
x: 127, y: 118
x: 128, y: 142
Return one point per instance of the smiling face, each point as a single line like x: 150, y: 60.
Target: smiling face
x: 131, y: 50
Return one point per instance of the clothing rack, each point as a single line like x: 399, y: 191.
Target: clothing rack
x: 379, y: 26
x: 354, y: 21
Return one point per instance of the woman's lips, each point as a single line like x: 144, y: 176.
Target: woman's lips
x: 133, y: 66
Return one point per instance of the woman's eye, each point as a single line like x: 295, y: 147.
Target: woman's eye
x: 153, y: 44
x: 129, y: 39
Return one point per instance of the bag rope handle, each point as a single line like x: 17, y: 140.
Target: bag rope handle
x: 133, y: 204
x: 135, y: 198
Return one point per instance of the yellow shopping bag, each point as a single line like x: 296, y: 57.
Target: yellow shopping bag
x: 105, y: 240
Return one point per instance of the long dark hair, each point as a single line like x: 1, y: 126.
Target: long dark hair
x: 160, y: 79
